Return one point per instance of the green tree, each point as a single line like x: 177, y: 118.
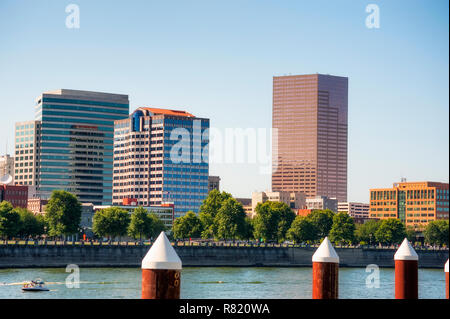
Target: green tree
x: 436, y: 232
x: 144, y: 224
x: 302, y: 230
x: 158, y: 225
x: 323, y: 220
x: 272, y: 220
x: 366, y: 232
x: 248, y: 229
x: 287, y: 216
x: 111, y: 222
x: 9, y: 220
x: 63, y: 213
x: 265, y: 223
x: 208, y: 211
x: 140, y: 224
x: 30, y: 225
x: 343, y: 229
x: 187, y: 226
x: 390, y: 231
x: 411, y: 234
x: 230, y: 220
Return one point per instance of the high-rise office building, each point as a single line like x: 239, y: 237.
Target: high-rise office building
x: 25, y: 164
x: 161, y: 156
x: 310, y: 118
x: 69, y: 146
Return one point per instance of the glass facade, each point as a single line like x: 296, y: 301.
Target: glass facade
x: 161, y: 156
x: 75, y: 143
x: 310, y: 118
x: 414, y: 203
x: 26, y: 152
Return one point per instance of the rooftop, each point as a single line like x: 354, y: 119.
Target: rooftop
x: 166, y: 111
x: 88, y: 95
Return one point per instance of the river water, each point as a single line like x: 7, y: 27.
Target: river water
x: 211, y: 283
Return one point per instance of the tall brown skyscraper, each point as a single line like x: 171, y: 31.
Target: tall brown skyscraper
x: 310, y: 152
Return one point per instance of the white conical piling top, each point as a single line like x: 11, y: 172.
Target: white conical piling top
x: 161, y: 255
x: 406, y: 252
x: 446, y: 266
x: 326, y: 253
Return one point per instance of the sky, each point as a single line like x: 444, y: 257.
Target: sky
x: 216, y: 59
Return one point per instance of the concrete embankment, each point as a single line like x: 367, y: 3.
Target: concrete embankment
x: 27, y: 256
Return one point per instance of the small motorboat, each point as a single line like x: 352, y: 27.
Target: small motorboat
x: 35, y: 285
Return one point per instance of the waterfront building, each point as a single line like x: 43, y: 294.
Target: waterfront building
x: 247, y: 205
x: 293, y: 200
x: 36, y: 205
x: 26, y: 159
x: 69, y: 145
x: 87, y: 219
x: 414, y: 203
x: 165, y: 212
x: 310, y: 121
x: 161, y: 156
x: 17, y: 195
x: 213, y: 183
x: 7, y: 166
x: 355, y: 210
x: 322, y: 202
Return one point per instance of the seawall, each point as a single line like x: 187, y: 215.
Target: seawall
x: 42, y: 256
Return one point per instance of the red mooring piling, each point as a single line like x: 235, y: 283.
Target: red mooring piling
x: 406, y: 272
x: 325, y: 272
x: 161, y: 268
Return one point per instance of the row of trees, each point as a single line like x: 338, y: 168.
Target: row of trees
x: 63, y: 216
x: 222, y: 217
x: 19, y: 222
x: 116, y: 222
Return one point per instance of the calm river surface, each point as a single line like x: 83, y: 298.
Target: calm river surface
x: 222, y: 283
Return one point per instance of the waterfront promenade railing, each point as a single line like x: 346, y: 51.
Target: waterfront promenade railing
x: 202, y: 244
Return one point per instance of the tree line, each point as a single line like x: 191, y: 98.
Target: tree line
x: 63, y: 216
x: 222, y: 217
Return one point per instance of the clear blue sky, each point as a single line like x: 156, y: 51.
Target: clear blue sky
x: 216, y: 59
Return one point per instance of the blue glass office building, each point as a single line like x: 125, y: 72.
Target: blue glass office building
x: 161, y: 157
x: 74, y: 147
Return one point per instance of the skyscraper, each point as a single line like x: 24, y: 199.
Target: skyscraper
x: 161, y: 156
x: 310, y: 117
x: 25, y: 163
x: 69, y: 146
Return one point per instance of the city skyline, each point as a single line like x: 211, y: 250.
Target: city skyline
x: 398, y: 75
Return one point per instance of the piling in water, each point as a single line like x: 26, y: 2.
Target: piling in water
x: 446, y: 279
x: 406, y: 272
x: 325, y: 272
x: 161, y: 268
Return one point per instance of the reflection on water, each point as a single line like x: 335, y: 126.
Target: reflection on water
x: 221, y: 283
